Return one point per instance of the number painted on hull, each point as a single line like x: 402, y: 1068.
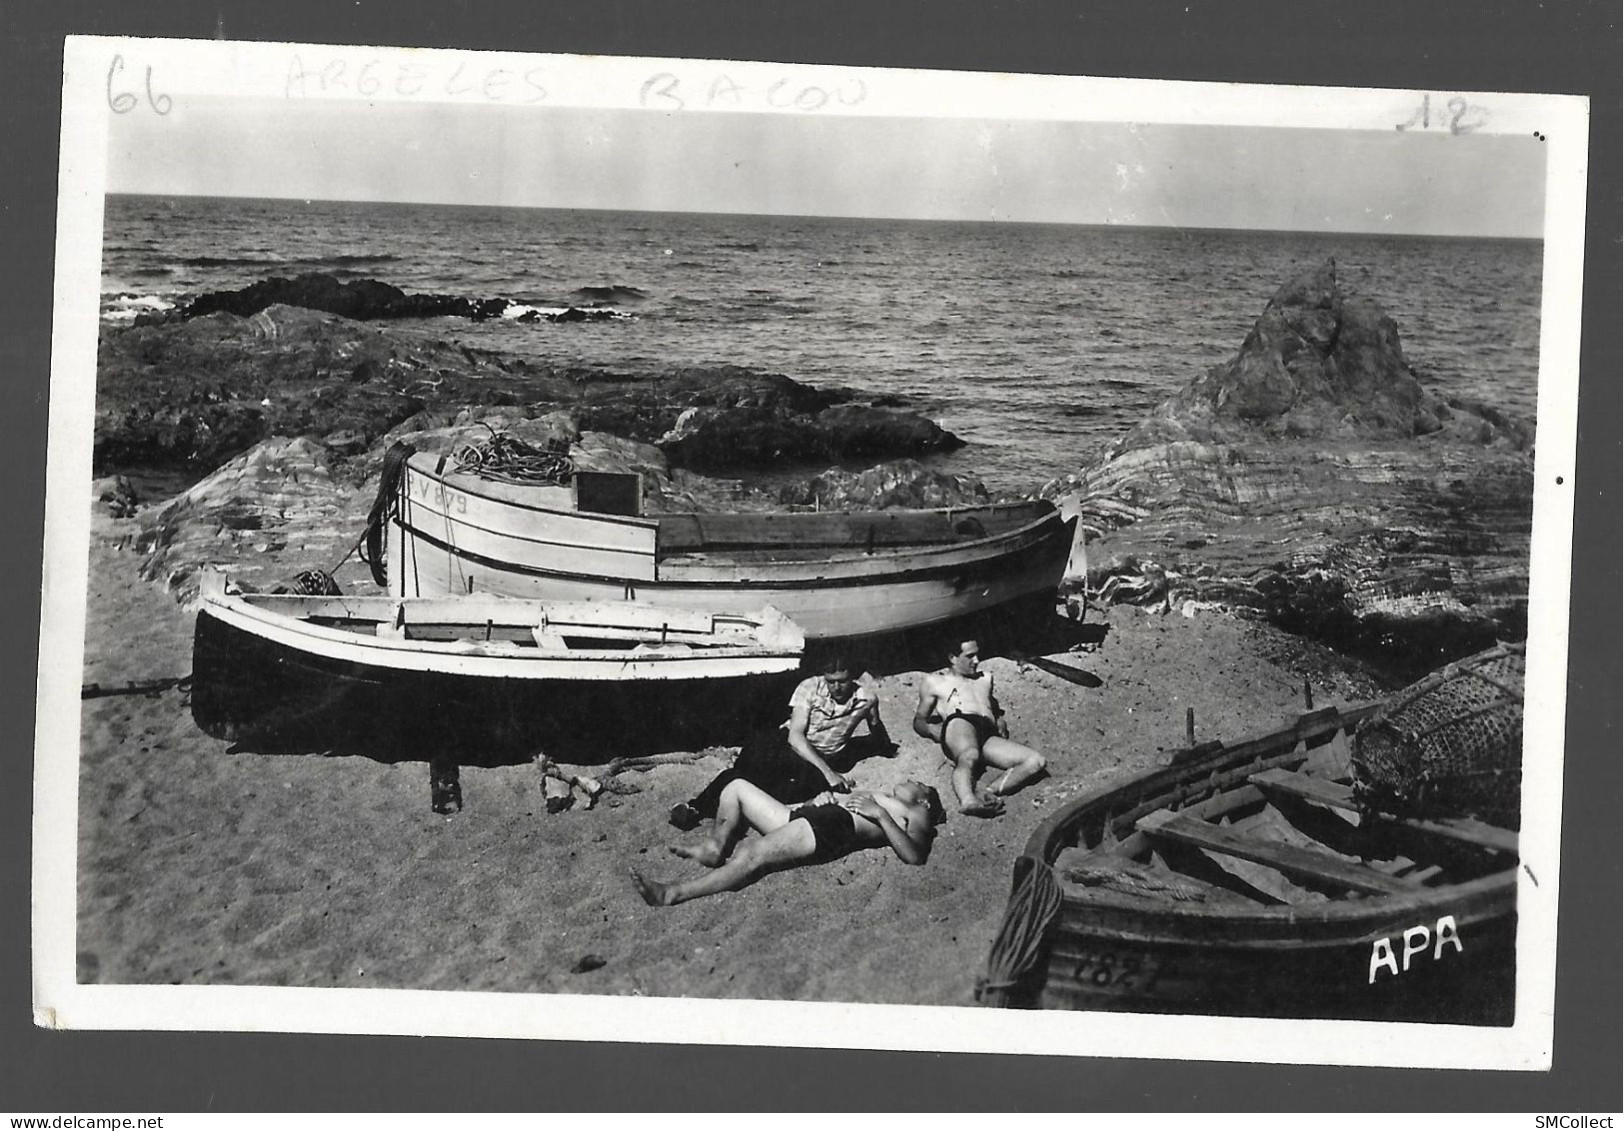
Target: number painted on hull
x: 1127, y: 972
x: 447, y: 499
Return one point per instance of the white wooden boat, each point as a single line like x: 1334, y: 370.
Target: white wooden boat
x: 265, y: 661
x: 836, y: 574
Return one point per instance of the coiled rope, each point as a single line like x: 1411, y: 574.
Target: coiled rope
x: 508, y: 459
x: 1033, y: 904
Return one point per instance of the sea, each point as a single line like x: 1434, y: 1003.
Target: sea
x: 1038, y: 344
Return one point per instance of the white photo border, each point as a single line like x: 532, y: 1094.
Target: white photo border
x: 99, y: 73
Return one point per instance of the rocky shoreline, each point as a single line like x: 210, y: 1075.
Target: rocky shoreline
x: 1311, y: 481
x: 1314, y: 482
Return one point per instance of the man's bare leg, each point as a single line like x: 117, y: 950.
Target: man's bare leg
x: 780, y: 848
x: 959, y: 737
x: 1020, y: 764
x: 741, y: 806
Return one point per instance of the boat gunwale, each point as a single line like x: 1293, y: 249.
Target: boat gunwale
x: 676, y: 575
x: 436, y: 657
x: 903, y: 550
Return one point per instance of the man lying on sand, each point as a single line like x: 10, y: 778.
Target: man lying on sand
x: 827, y: 827
x: 792, y: 762
x: 957, y: 708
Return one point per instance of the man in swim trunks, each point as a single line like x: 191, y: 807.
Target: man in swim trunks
x: 792, y: 762
x: 829, y: 826
x: 958, y: 710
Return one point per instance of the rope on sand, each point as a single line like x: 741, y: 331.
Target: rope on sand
x: 136, y: 687
x: 1033, y: 904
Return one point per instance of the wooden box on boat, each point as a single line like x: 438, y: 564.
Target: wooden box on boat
x: 1244, y: 880
x: 835, y: 574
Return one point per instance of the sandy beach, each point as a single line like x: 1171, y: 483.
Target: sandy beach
x: 198, y: 865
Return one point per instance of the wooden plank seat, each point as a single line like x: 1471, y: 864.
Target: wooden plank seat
x: 1336, y: 795
x: 1317, y: 866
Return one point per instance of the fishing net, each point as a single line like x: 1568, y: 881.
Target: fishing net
x: 1450, y: 744
x: 314, y: 583
x: 508, y: 459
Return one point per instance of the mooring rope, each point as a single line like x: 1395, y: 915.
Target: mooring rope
x: 385, y: 505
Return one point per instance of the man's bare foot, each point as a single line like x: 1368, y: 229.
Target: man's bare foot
x: 705, y: 853
x: 985, y: 805
x: 684, y: 816
x: 654, y: 894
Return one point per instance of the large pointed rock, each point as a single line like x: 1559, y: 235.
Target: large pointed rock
x: 1312, y: 480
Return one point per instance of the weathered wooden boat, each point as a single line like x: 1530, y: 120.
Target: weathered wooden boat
x: 1249, y: 880
x: 837, y: 575
x: 273, y: 663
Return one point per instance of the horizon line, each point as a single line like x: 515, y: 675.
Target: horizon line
x: 1107, y: 224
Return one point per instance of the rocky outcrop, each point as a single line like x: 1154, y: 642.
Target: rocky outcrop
x: 367, y: 299
x: 194, y: 393
x: 263, y: 517
x: 1318, y: 364
x: 729, y: 417
x: 1313, y: 481
x: 899, y: 483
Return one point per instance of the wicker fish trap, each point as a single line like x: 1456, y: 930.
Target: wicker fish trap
x: 1449, y: 744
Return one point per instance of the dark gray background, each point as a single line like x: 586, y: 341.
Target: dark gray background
x: 1564, y: 47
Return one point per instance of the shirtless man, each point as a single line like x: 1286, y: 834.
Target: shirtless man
x: 827, y: 827
x: 957, y: 708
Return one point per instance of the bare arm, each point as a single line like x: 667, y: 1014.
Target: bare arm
x: 929, y: 696
x: 910, y: 847
x: 876, y: 725
x: 997, y: 710
x: 803, y: 748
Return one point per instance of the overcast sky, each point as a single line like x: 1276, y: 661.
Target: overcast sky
x: 1071, y: 172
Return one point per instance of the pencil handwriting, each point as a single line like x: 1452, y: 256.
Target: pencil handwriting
x: 1456, y: 115
x: 413, y: 79
x: 123, y: 102
x: 666, y: 91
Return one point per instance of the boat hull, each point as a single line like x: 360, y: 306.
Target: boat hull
x: 1441, y: 955
x: 454, y: 533
x: 1115, y: 960
x: 249, y: 687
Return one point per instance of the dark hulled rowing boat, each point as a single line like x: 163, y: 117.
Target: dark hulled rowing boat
x: 1248, y: 880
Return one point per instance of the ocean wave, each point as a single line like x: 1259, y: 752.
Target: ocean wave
x: 614, y: 292
x: 524, y: 312
x: 231, y: 261
x: 128, y: 307
x: 273, y: 260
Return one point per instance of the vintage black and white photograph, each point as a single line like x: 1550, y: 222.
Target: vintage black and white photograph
x: 658, y: 549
